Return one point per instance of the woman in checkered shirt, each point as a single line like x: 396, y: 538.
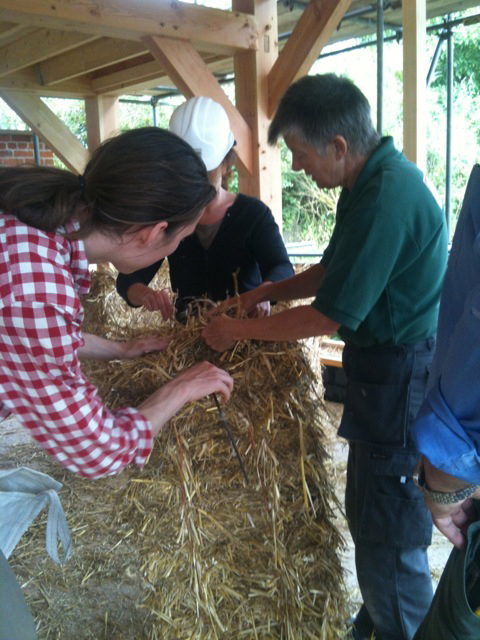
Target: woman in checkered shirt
x: 141, y: 193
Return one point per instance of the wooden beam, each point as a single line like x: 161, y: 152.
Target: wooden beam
x: 311, y: 33
x: 414, y: 83
x: 131, y: 79
x: 191, y: 75
x: 143, y: 75
x: 48, y: 127
x: 210, y: 29
x: 251, y: 94
x: 38, y: 46
x: 102, y: 119
x: 9, y: 32
x: 27, y: 80
x: 102, y: 53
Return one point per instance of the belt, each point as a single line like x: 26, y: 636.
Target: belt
x: 424, y: 345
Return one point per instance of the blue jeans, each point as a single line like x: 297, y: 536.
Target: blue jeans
x: 389, y: 523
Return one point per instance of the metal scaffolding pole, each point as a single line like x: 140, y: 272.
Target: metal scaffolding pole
x: 448, y: 163
x: 36, y: 148
x: 380, y: 42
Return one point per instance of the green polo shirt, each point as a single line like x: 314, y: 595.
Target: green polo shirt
x: 386, y: 259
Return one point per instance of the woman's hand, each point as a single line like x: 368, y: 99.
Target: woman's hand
x: 192, y: 384
x: 98, y: 348
x: 159, y: 300
x: 140, y: 346
x: 261, y: 310
x: 201, y: 380
x: 140, y: 294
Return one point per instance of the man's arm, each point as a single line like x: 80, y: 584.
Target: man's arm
x: 291, y: 324
x: 304, y: 285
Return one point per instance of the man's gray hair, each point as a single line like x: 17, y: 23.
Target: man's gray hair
x: 317, y: 108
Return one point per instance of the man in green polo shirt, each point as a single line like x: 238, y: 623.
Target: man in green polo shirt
x: 378, y: 285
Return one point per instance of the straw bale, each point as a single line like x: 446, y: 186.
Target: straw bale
x: 219, y: 557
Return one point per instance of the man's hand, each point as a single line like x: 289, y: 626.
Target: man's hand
x: 218, y: 334
x: 245, y: 303
x: 453, y: 520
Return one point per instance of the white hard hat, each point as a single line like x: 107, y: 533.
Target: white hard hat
x: 203, y: 123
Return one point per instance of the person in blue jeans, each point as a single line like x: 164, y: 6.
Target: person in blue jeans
x: 378, y: 284
x: 447, y: 433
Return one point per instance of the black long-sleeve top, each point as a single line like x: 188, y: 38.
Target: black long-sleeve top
x: 248, y: 242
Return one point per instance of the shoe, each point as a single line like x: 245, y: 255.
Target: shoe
x: 362, y: 626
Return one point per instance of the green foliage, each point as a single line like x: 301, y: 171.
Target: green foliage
x: 308, y: 212
x: 72, y: 114
x: 466, y: 60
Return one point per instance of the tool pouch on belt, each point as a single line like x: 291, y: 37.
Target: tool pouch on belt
x: 24, y: 493
x: 452, y: 612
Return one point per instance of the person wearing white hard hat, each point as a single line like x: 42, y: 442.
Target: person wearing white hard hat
x: 236, y: 246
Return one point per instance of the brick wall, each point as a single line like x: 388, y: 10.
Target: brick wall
x: 16, y: 147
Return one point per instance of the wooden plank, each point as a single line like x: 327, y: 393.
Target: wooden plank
x: 38, y: 46
x: 102, y: 53
x: 330, y: 342
x: 330, y: 360
x: 192, y: 76
x: 312, y: 32
x: 251, y: 93
x: 102, y: 119
x: 414, y: 85
x: 211, y: 29
x: 48, y: 127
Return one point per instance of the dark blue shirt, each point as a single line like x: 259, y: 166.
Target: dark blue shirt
x: 247, y: 250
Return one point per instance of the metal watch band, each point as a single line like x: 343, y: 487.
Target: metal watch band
x: 441, y: 497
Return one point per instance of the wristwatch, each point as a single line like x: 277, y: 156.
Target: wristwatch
x: 441, y: 497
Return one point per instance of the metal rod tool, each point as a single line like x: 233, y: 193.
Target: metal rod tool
x: 225, y: 424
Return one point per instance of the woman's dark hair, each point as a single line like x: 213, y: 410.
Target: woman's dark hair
x: 140, y: 177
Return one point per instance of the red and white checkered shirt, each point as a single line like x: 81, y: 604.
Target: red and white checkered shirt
x: 42, y: 276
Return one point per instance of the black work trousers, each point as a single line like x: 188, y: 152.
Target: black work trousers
x: 389, y: 523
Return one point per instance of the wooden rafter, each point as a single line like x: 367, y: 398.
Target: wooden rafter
x: 99, y: 54
x: 28, y: 80
x: 210, y: 29
x: 40, y: 45
x: 311, y: 34
x: 48, y: 127
x: 192, y: 76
